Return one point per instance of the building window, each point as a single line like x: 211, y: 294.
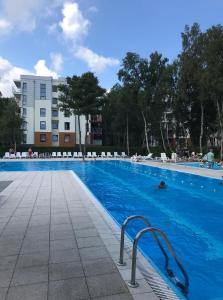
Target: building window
x: 42, y: 138
x: 54, y: 88
x: 66, y: 125
x: 43, y: 125
x: 54, y: 100
x: 24, y: 138
x: 24, y: 86
x: 55, y: 124
x: 42, y: 112
x: 24, y: 125
x: 67, y: 138
x: 55, y: 138
x: 24, y: 100
x: 54, y: 113
x: 42, y: 91
x: 24, y: 112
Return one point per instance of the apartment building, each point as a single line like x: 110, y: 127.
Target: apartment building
x: 44, y: 124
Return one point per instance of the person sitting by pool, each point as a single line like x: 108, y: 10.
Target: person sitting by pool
x: 162, y: 185
x: 30, y: 152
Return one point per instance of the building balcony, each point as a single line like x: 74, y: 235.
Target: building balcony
x: 16, y: 91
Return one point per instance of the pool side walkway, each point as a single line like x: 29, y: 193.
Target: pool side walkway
x: 55, y: 244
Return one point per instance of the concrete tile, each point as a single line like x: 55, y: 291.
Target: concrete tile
x: 116, y: 297
x: 61, y: 235
x: 74, y: 289
x: 94, y: 241
x: 7, y: 262
x: 28, y: 292
x: 93, y: 253
x: 6, y: 250
x: 30, y: 275
x: 63, y: 244
x: 83, y: 225
x: 3, y: 292
x: 59, y: 256
x: 145, y: 296
x: 86, y: 232
x: 35, y: 246
x: 143, y: 287
x: 5, y: 277
x: 106, y: 285
x: 99, y: 266
x: 65, y: 270
x: 33, y: 259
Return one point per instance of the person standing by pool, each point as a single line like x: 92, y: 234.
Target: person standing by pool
x: 210, y: 159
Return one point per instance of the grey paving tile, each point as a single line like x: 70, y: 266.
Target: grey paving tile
x: 106, y: 285
x: 59, y: 256
x: 56, y: 227
x: 93, y: 253
x: 62, y: 244
x: 86, y: 232
x: 8, y: 249
x: 30, y: 275
x: 83, y: 225
x: 145, y: 296
x: 33, y: 259
x: 116, y: 297
x: 30, y: 246
x: 70, y: 289
x: 3, y: 292
x: 99, y: 266
x: 5, y: 277
x: 65, y: 270
x: 28, y: 292
x: 94, y: 241
x: 7, y: 262
x: 62, y: 235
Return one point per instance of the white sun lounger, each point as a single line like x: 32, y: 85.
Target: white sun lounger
x: 59, y: 154
x: 54, y: 154
x: 35, y: 155
x: 12, y: 155
x: 149, y: 156
x: 80, y: 154
x: 6, y: 155
x: 89, y: 155
x: 18, y: 155
x: 69, y: 154
x: 75, y: 155
x: 116, y: 155
x: 109, y: 154
x: 103, y: 155
x: 123, y: 155
x: 64, y: 154
x: 24, y: 155
x: 94, y: 155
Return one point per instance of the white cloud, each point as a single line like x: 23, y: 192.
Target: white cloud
x: 97, y: 63
x: 57, y: 61
x: 74, y: 26
x: 5, y: 26
x: 8, y: 73
x: 93, y: 9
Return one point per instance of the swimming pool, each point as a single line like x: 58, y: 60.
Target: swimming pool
x: 189, y: 211
x: 198, y: 165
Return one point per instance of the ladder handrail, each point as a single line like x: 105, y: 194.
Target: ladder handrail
x: 133, y: 283
x: 122, y: 242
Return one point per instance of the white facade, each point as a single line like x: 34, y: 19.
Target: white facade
x: 38, y: 100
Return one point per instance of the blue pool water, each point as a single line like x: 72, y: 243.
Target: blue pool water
x: 189, y: 211
x: 198, y: 165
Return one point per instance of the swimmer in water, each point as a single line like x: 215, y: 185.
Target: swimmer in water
x: 162, y: 185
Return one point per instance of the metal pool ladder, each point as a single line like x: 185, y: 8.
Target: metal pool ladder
x: 155, y: 232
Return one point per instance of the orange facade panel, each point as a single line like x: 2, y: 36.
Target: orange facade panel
x: 43, y: 139
x: 67, y: 139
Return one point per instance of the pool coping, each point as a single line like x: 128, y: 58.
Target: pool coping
x: 149, y: 279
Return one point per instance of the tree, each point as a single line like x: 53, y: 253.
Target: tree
x: 81, y: 96
x: 11, y: 132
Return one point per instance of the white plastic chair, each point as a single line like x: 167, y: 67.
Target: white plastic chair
x: 12, y: 155
x: 80, y: 154
x: 123, y: 155
x: 103, y: 155
x: 163, y: 157
x: 94, y: 155
x: 6, y: 155
x: 109, y: 154
x: 64, y: 154
x: 18, y: 155
x: 149, y: 156
x: 54, y: 155
x: 35, y: 155
x: 24, y: 155
x: 89, y: 155
x: 116, y: 155
x: 75, y: 155
x: 174, y: 157
x: 69, y: 154
x: 59, y: 154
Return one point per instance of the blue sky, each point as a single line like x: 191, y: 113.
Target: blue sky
x: 62, y: 38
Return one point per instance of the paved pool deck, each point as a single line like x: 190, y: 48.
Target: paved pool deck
x: 55, y: 243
